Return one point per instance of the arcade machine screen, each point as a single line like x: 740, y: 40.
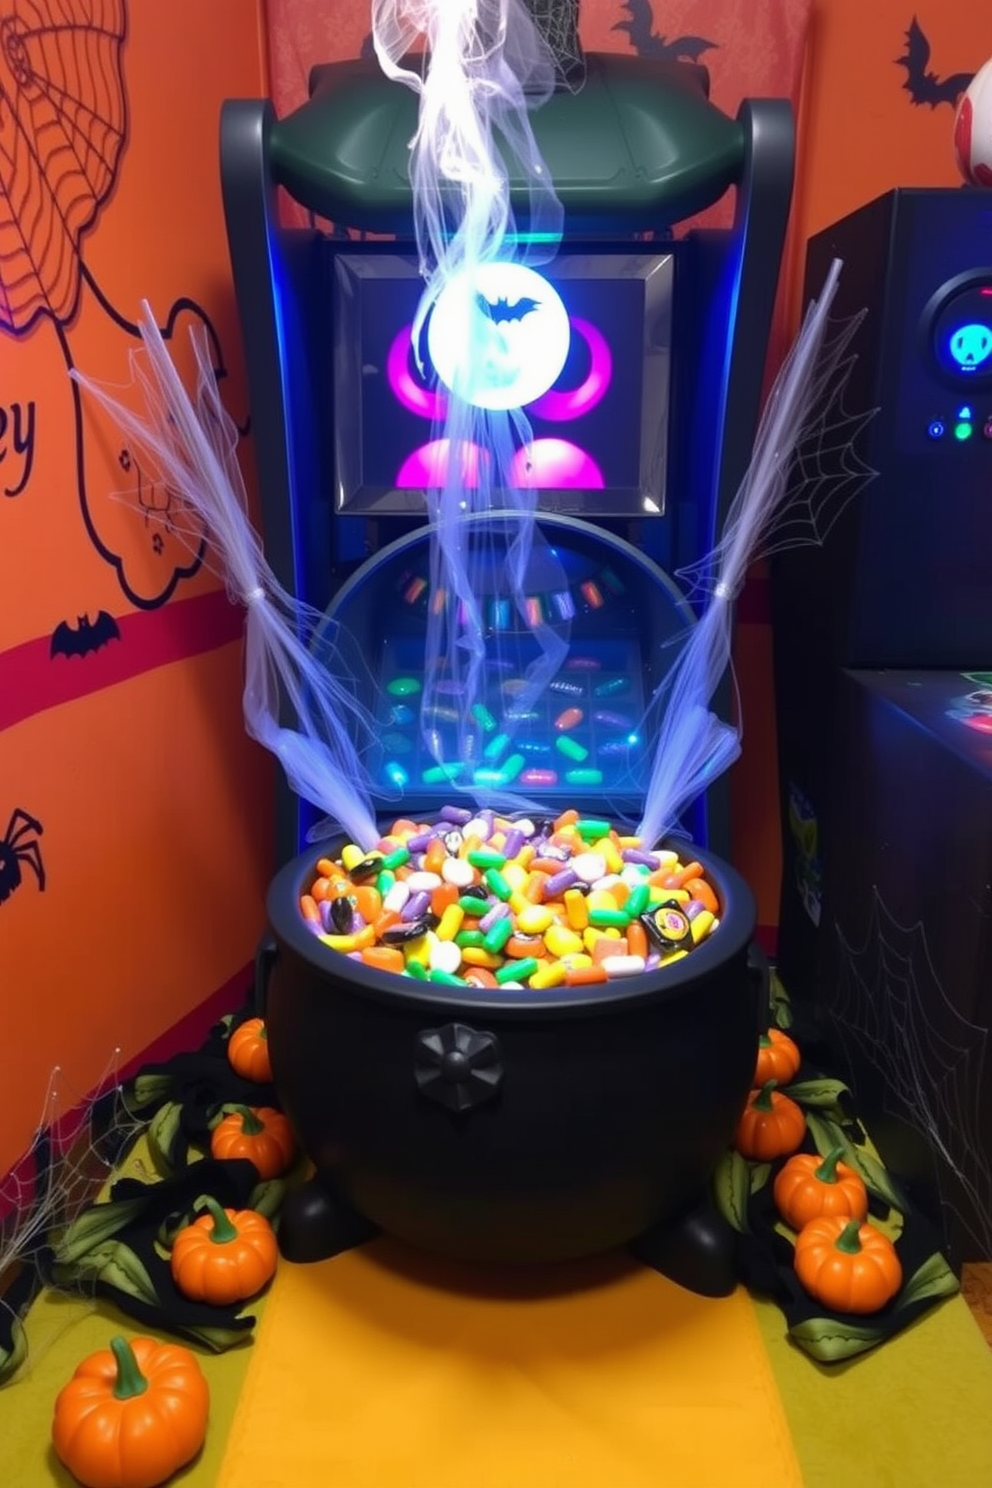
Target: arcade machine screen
x: 599, y: 448
x: 599, y: 428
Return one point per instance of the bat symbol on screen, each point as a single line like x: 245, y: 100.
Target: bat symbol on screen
x: 500, y: 311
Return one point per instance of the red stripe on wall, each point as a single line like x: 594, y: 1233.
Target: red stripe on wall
x: 754, y: 605
x: 183, y: 1037
x: 32, y: 680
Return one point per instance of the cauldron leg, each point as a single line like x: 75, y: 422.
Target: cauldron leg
x: 314, y: 1224
x: 698, y: 1250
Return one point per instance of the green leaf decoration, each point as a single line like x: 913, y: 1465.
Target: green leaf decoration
x: 760, y: 1173
x: 162, y: 1133
x: 822, y: 1094
x: 12, y: 1359
x: 933, y: 1279
x: 781, y: 1007
x: 93, y: 1228
x: 732, y: 1189
x: 266, y: 1198
x: 828, y: 1134
x: 146, y: 1090
x: 830, y: 1340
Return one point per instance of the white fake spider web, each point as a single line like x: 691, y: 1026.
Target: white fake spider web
x: 888, y: 1004
x: 76, y: 1145
x: 558, y: 22
x: 826, y: 471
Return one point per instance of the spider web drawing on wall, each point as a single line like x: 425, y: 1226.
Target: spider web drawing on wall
x: 63, y: 121
x: 889, y: 1005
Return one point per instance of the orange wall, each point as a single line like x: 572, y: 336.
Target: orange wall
x: 132, y: 757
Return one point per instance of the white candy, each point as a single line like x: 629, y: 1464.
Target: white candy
x: 457, y: 871
x: 476, y: 828
x: 397, y: 896
x: 621, y: 966
x: 527, y: 827
x: 589, y: 866
x: 423, y: 883
x: 444, y: 955
x: 609, y: 882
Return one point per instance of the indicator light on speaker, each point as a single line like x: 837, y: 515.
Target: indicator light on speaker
x: 936, y: 429
x: 963, y: 430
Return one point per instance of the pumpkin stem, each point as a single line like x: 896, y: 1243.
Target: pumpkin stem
x: 827, y: 1171
x: 263, y: 1032
x: 763, y: 1100
x: 130, y: 1380
x: 764, y: 1042
x: 250, y: 1124
x: 848, y: 1240
x: 222, y: 1231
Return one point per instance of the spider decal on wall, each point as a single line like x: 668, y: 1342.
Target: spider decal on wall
x: 19, y: 845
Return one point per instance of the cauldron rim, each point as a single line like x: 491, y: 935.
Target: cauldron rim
x: 734, y: 934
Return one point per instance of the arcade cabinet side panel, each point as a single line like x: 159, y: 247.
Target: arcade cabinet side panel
x: 903, y: 995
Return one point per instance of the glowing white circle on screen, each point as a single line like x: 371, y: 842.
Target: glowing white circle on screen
x: 500, y: 340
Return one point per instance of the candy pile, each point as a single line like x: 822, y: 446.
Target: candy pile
x: 480, y: 900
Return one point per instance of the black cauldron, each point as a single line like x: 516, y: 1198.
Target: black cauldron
x: 514, y: 1125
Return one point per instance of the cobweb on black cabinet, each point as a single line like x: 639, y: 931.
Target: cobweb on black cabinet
x: 888, y: 1007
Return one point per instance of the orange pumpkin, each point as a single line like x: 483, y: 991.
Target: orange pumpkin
x: 131, y: 1415
x: 846, y: 1265
x: 809, y: 1187
x: 261, y: 1134
x: 778, y: 1058
x: 248, y: 1051
x: 771, y: 1126
x: 225, y: 1257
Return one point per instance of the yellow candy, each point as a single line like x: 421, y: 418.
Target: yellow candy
x: 576, y: 909
x: 417, y: 950
x: 576, y: 963
x: 526, y: 855
x: 519, y: 902
x: 668, y: 896
x: 515, y: 875
x: 601, y: 899
x: 629, y: 841
x: 673, y: 956
x: 358, y: 942
x: 351, y: 856
x: 702, y: 926
x: 561, y: 941
x: 450, y: 922
x: 591, y: 935
x: 533, y: 920
x: 479, y: 956
x: 550, y: 975
x: 611, y: 855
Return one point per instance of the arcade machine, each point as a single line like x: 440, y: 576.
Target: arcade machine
x: 644, y: 437
x: 880, y: 636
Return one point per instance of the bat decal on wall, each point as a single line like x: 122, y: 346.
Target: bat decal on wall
x: 922, y: 84
x: 650, y: 43
x: 85, y: 637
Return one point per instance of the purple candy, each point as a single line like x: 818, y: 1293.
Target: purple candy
x: 558, y: 882
x: 456, y: 814
x: 416, y: 906
x: 653, y: 961
x: 612, y: 720
x: 693, y: 908
x: 420, y: 842
x: 638, y: 855
x: 324, y: 910
x: 499, y: 911
x: 515, y: 840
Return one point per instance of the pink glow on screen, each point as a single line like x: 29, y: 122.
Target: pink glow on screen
x: 428, y: 466
x: 411, y: 393
x: 558, y: 465
x: 562, y: 407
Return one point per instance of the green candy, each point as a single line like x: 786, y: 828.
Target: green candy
x: 397, y: 858
x: 603, y: 919
x: 517, y: 971
x: 485, y: 857
x: 592, y: 830
x: 403, y: 686
x: 474, y: 938
x: 571, y: 748
x: 497, y: 936
x: 637, y: 900
x: 584, y: 777
x: 498, y: 885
